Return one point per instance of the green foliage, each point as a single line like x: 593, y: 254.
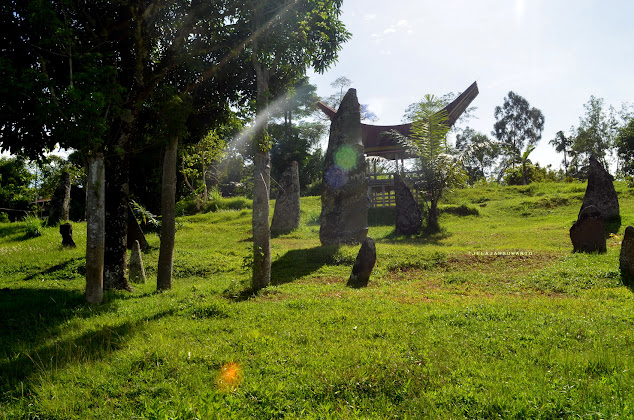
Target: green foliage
x: 149, y: 222
x: 530, y: 173
x: 32, y: 226
x: 197, y: 161
x: 428, y: 141
x: 478, y: 153
x: 216, y: 202
x: 563, y: 145
x: 595, y: 134
x: 15, y: 184
x: 298, y: 143
x: 625, y: 148
x: 517, y: 126
x: 4, y: 217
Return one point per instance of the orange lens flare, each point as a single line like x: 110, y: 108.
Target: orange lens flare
x: 229, y: 377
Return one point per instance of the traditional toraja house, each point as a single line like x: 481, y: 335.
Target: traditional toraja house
x: 378, y: 142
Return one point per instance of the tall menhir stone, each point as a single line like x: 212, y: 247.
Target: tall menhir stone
x: 60, y: 203
x: 600, y: 192
x: 344, y: 203
x: 287, y: 211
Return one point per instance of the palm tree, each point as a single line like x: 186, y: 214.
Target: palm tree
x: 563, y: 145
x: 428, y: 141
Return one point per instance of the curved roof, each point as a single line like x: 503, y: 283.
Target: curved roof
x: 376, y: 138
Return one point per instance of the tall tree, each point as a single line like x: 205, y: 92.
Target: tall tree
x: 287, y: 37
x: 294, y: 137
x: 342, y: 84
x: 517, y: 126
x: 84, y: 74
x: 625, y: 148
x: 478, y: 153
x: 563, y: 145
x: 596, y: 132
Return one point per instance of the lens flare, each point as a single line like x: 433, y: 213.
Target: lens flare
x: 336, y: 177
x: 229, y: 377
x: 346, y: 158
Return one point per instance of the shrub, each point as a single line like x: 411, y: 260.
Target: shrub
x: 4, y: 217
x: 534, y: 173
x: 33, y: 226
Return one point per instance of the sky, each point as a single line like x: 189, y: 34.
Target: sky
x: 554, y: 53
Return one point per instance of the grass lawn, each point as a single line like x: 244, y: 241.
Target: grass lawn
x: 494, y: 317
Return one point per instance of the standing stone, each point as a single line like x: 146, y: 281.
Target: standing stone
x: 66, y: 230
x: 344, y: 202
x: 362, y: 269
x: 60, y: 204
x: 135, y: 233
x: 286, y: 213
x: 600, y: 192
x: 626, y: 258
x: 588, y: 233
x: 136, y: 272
x: 409, y: 217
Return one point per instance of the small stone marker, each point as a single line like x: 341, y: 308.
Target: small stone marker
x: 588, y: 232
x: 626, y: 258
x: 600, y: 192
x: 366, y: 258
x: 66, y: 230
x: 136, y: 272
x: 287, y: 211
x: 409, y: 217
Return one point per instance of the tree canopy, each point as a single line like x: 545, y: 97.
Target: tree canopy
x: 517, y: 126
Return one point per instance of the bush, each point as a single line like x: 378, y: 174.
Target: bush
x: 4, y: 217
x: 33, y: 226
x: 534, y: 173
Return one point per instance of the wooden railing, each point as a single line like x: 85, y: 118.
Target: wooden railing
x: 381, y: 187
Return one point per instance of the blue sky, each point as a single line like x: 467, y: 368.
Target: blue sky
x: 554, y: 53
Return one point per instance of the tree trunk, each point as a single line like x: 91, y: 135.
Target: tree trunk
x: 168, y: 216
x: 95, y: 228
x: 261, y: 181
x: 115, y: 256
x: 260, y: 221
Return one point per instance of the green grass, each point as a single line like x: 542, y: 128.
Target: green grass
x: 493, y: 317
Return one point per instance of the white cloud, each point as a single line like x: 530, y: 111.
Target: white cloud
x: 389, y: 31
x: 369, y: 17
x: 403, y: 22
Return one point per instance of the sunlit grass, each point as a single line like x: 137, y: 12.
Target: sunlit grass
x: 493, y: 317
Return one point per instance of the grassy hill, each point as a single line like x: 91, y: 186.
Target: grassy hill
x: 492, y: 318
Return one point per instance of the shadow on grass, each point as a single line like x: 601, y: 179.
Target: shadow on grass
x: 13, y: 233
x: 613, y: 225
x: 423, y: 238
x: 294, y: 264
x: 31, y: 321
x: 66, y: 270
x: 297, y: 263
